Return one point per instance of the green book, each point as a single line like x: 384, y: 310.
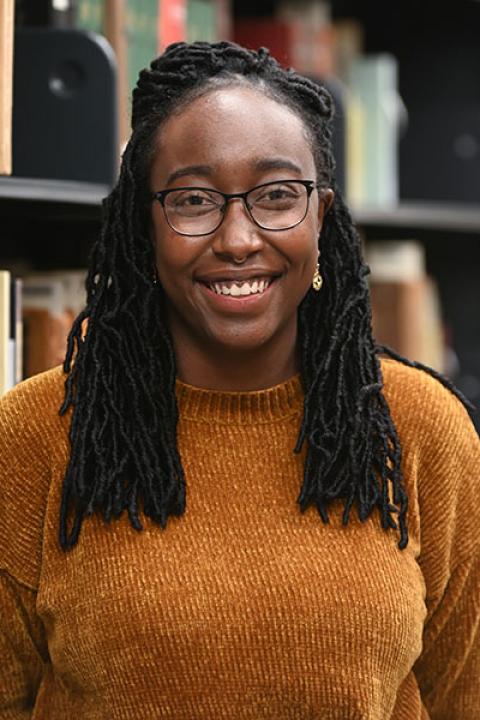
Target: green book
x: 89, y: 15
x: 201, y: 20
x: 373, y: 82
x: 142, y: 36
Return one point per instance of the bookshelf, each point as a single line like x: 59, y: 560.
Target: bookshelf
x: 52, y: 223
x: 48, y: 224
x: 77, y: 200
x: 451, y: 235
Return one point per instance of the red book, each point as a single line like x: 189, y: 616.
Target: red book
x: 292, y: 42
x: 278, y: 36
x: 172, y: 22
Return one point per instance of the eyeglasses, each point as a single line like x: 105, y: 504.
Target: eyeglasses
x: 196, y: 211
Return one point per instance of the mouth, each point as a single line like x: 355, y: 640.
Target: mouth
x: 241, y: 288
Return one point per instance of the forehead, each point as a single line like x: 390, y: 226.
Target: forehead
x: 230, y: 129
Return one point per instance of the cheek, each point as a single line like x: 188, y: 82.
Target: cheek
x: 175, y: 260
x: 169, y: 271
x: 167, y: 246
x: 308, y: 250
x: 168, y: 251
x: 168, y: 264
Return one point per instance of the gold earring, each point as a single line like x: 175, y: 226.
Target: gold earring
x: 317, y: 281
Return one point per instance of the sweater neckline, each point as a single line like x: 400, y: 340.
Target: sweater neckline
x: 246, y: 407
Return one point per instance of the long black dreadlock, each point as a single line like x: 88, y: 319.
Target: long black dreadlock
x: 121, y: 370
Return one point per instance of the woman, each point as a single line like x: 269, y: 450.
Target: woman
x: 227, y: 365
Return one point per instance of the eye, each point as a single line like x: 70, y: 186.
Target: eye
x: 193, y: 201
x: 191, y: 197
x: 277, y: 195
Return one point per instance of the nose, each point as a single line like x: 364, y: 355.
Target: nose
x: 237, y: 237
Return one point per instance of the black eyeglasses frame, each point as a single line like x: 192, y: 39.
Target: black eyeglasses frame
x: 160, y: 196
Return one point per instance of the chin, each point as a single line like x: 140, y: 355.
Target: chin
x: 243, y: 339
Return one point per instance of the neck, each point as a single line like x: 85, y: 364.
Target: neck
x: 233, y: 369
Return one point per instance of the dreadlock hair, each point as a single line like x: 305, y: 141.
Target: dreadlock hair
x: 121, y: 370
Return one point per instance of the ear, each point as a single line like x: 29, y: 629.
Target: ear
x: 326, y: 198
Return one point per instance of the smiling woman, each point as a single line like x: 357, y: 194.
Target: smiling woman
x: 253, y: 153
x: 227, y: 399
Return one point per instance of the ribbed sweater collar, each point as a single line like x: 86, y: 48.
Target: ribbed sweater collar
x: 260, y: 406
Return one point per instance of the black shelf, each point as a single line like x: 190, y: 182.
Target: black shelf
x: 51, y: 198
x: 49, y: 223
x: 443, y: 219
x: 82, y: 199
x: 53, y: 191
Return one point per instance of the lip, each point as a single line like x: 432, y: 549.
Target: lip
x: 240, y: 303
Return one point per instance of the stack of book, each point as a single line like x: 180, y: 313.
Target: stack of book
x: 11, y: 334
x: 36, y: 314
x: 405, y: 302
x: 300, y: 34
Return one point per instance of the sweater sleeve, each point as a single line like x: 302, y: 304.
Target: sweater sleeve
x: 22, y: 649
x: 448, y: 671
x: 28, y: 418
x: 448, y: 481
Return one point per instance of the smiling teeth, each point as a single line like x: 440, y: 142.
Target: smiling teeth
x: 245, y: 288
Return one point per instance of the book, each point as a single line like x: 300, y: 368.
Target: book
x: 16, y: 330
x: 356, y: 157
x: 6, y: 86
x: 278, y: 36
x: 140, y: 29
x: 142, y: 21
x: 312, y: 36
x: 5, y: 340
x: 406, y: 311
x: 373, y: 83
x: 292, y: 42
x: 224, y: 13
x: 172, y: 22
x: 201, y: 20
x: 50, y: 303
x: 90, y: 15
x: 348, y: 45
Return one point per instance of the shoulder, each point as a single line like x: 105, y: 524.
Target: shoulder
x: 43, y: 391
x: 29, y: 413
x: 422, y: 407
x: 441, y: 461
x: 33, y: 439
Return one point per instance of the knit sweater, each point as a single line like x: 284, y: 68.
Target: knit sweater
x: 243, y: 607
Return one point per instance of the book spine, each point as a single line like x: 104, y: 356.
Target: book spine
x: 274, y: 34
x: 373, y: 82
x: 201, y: 20
x: 6, y: 86
x: 142, y: 36
x: 406, y: 312
x: 5, y: 344
x: 16, y: 330
x: 224, y: 19
x: 172, y: 22
x: 90, y: 15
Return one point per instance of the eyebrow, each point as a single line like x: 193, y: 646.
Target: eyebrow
x: 204, y: 170
x: 279, y: 163
x: 260, y: 165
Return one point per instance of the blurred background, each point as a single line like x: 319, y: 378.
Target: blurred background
x: 405, y: 80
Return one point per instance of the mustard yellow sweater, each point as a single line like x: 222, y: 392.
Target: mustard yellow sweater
x: 244, y: 607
